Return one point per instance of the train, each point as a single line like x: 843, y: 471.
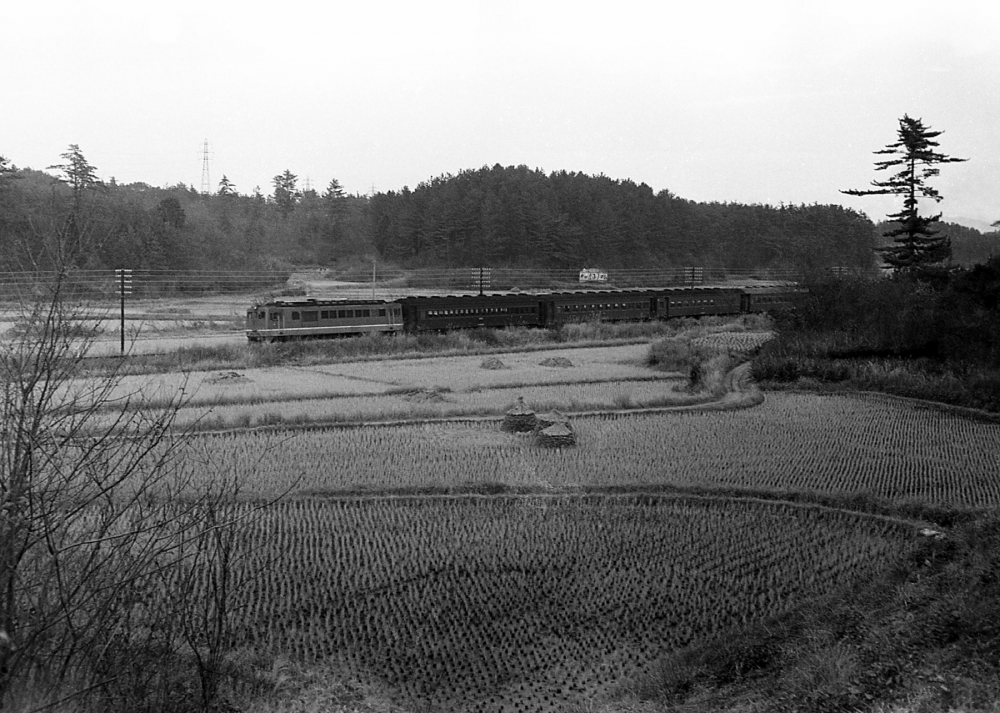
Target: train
x: 310, y: 318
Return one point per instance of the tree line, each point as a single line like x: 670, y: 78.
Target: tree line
x: 495, y: 216
x: 521, y: 217
x: 107, y: 225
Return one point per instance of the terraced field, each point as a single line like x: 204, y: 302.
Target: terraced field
x: 832, y: 444
x: 547, y: 599
x: 532, y: 603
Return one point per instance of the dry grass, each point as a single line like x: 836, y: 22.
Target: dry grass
x: 433, y: 403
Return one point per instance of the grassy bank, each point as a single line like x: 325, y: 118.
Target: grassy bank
x: 910, y: 335
x: 923, y: 637
x: 814, y: 361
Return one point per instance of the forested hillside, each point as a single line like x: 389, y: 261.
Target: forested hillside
x: 107, y: 225
x: 518, y: 216
x: 499, y: 216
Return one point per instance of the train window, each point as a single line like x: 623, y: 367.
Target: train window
x: 310, y: 316
x: 274, y: 316
x: 381, y: 312
x: 366, y: 313
x: 295, y: 315
x: 324, y: 314
x: 260, y: 315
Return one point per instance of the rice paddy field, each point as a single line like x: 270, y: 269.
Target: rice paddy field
x: 582, y: 379
x: 532, y: 603
x: 869, y: 444
x: 461, y: 567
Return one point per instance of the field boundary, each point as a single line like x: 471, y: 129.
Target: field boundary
x: 570, y: 495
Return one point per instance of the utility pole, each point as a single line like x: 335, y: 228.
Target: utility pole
x: 124, y: 280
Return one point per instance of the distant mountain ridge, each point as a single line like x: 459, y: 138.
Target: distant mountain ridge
x: 981, y: 225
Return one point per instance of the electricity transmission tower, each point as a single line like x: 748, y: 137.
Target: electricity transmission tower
x: 206, y: 181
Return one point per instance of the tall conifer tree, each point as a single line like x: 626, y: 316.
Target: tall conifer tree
x: 916, y: 243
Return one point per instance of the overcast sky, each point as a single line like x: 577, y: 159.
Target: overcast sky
x: 751, y: 102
